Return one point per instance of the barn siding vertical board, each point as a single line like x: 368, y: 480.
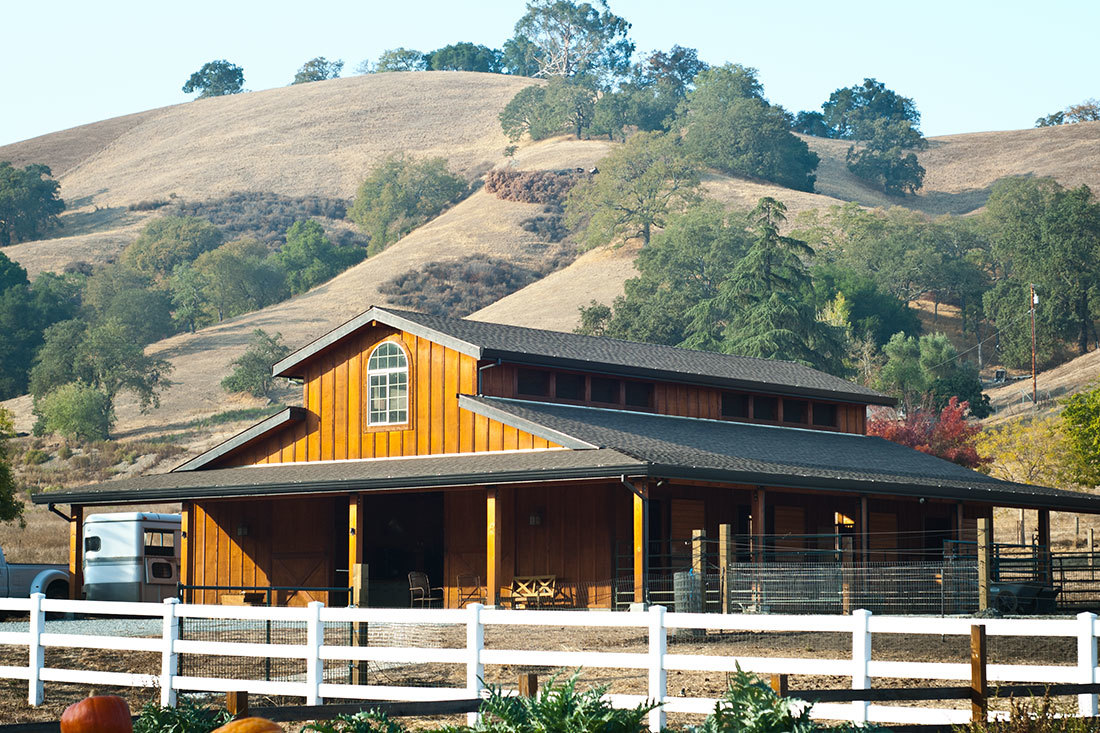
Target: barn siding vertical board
x: 313, y: 419
x: 450, y: 392
x: 437, y: 416
x: 467, y: 384
x: 340, y: 404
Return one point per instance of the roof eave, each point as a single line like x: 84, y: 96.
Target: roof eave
x: 288, y: 367
x: 457, y: 480
x: 1083, y: 503
x: 688, y: 377
x: 279, y: 420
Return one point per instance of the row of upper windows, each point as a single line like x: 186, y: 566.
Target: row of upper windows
x: 596, y: 389
x: 388, y: 394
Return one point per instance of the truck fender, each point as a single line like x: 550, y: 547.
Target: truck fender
x: 42, y: 581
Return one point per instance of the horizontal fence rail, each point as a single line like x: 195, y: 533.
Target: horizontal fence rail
x: 656, y: 661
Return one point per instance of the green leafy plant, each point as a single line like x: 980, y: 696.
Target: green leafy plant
x: 749, y: 705
x: 557, y: 708
x: 1034, y: 715
x: 187, y: 717
x: 365, y: 721
x: 34, y: 456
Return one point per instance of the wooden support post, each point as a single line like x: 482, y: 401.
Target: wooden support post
x: 528, y: 684
x: 758, y: 517
x: 979, y: 687
x: 76, y: 552
x: 1044, y: 546
x: 187, y: 512
x: 959, y: 524
x: 359, y: 631
x: 725, y: 559
x: 864, y: 531
x: 356, y: 544
x: 698, y: 551
x: 984, y: 561
x: 1092, y: 562
x: 236, y: 703
x: 780, y: 684
x: 759, y: 523
x: 846, y: 562
x: 641, y: 517
x: 493, y: 527
x: 1023, y: 531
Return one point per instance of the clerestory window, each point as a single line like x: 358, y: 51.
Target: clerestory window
x: 388, y: 385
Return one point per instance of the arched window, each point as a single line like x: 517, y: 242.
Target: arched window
x: 388, y: 384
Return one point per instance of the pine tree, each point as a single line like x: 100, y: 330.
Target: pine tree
x: 762, y: 308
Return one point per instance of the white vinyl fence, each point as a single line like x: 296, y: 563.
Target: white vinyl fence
x: 657, y: 661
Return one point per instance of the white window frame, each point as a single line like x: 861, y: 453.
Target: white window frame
x: 386, y: 380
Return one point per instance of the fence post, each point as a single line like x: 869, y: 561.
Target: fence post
x: 170, y: 634
x: 35, y: 692
x: 861, y: 658
x: 725, y: 557
x: 475, y: 670
x: 315, y: 639
x: 985, y: 528
x: 658, y: 678
x: 979, y: 681
x: 1086, y: 661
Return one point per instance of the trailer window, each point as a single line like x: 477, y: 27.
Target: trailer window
x: 160, y: 542
x: 92, y: 544
x: 161, y: 570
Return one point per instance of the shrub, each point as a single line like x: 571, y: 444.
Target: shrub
x: 267, y: 216
x: 558, y: 708
x: 74, y: 410
x: 531, y: 187
x: 253, y: 368
x: 64, y: 452
x: 35, y: 456
x: 149, y: 205
x: 366, y: 721
x: 457, y: 288
x: 186, y: 717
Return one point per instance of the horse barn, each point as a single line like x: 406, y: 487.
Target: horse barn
x: 440, y: 460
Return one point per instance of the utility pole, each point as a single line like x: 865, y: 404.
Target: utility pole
x: 1034, y: 381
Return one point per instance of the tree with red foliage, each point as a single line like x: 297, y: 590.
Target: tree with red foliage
x: 947, y: 435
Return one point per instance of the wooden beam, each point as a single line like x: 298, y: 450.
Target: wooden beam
x: 1044, y: 544
x: 984, y: 561
x: 864, y: 531
x: 698, y: 550
x: 356, y: 542
x: 959, y: 522
x: 76, y: 552
x: 641, y: 517
x: 725, y: 558
x: 186, y: 513
x: 758, y: 517
x: 979, y: 686
x: 493, y: 528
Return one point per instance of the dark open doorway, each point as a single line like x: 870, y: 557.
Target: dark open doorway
x: 404, y: 533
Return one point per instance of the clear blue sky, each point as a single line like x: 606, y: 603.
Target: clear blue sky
x: 969, y: 65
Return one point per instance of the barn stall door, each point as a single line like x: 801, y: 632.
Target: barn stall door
x: 302, y: 549
x: 685, y: 516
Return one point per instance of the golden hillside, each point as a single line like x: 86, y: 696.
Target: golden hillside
x: 321, y: 138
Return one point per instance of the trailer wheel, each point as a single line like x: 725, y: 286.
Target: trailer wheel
x: 58, y: 590
x: 1007, y: 602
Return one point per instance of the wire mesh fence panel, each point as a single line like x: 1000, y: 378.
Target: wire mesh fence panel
x: 432, y: 636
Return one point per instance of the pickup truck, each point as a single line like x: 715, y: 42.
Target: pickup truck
x: 20, y: 580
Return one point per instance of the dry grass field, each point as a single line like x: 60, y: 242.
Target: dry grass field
x: 320, y: 139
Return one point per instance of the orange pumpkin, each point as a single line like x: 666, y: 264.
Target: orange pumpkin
x: 99, y: 714
x: 250, y: 725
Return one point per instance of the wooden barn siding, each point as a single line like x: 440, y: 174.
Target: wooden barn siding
x: 674, y: 399
x: 288, y: 543
x: 335, y: 394
x: 575, y: 541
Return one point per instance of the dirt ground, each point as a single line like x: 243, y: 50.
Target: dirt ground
x: 1023, y: 650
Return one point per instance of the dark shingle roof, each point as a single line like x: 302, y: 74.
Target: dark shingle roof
x: 678, y: 447
x: 591, y: 353
x: 468, y: 469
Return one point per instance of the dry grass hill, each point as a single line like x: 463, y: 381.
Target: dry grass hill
x: 321, y: 138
